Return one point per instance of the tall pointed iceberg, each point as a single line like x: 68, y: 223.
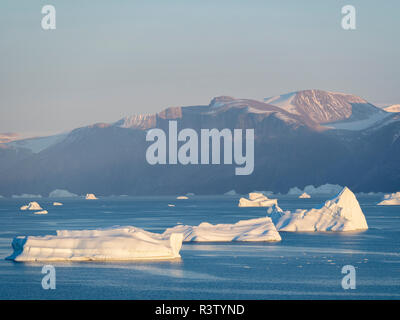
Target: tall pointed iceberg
x: 341, y: 213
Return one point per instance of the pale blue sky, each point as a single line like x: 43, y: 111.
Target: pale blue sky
x: 108, y: 59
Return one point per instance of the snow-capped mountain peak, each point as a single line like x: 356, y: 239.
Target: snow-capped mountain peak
x: 392, y: 108
x: 140, y: 121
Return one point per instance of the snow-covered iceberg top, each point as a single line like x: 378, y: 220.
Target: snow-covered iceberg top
x: 304, y: 195
x: 392, y: 199
x: 257, y: 200
x: 323, y: 189
x: 261, y: 229
x: 57, y: 204
x: 118, y: 243
x: 341, y: 213
x: 90, y: 196
x: 182, y: 198
x: 59, y: 193
x: 31, y: 206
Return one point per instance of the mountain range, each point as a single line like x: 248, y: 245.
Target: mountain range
x: 309, y: 137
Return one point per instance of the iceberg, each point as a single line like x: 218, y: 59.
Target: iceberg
x: 171, y: 205
x: 304, y: 196
x: 59, y: 193
x: 392, y: 199
x: 117, y: 243
x: 257, y: 200
x: 31, y: 206
x: 90, y: 196
x: 260, y: 229
x: 341, y: 213
x: 57, y: 204
x: 182, y: 198
x: 41, y: 212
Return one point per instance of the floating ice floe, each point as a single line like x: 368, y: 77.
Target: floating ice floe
x: 122, y: 243
x: 41, y: 212
x: 260, y: 229
x: 90, y: 196
x: 341, y: 213
x: 31, y: 206
x: 182, y: 198
x: 57, y: 204
x: 257, y: 200
x: 171, y: 205
x: 392, y: 199
x: 59, y: 193
x: 304, y: 196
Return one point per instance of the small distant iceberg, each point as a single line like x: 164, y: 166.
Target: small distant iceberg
x: 392, y: 199
x: 118, y: 243
x: 324, y: 189
x: 32, y: 206
x: 59, y: 193
x: 171, y: 205
x: 57, y: 204
x: 41, y: 212
x: 341, y: 213
x: 90, y: 196
x: 304, y: 196
x: 26, y: 196
x: 257, y: 200
x: 182, y: 198
x: 260, y: 229
x: 230, y: 193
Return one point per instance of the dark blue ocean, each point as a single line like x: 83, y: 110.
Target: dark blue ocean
x: 301, y: 266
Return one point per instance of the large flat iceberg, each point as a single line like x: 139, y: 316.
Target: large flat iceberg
x: 118, y: 243
x: 392, y: 199
x: 260, y: 229
x: 257, y: 200
x: 341, y: 213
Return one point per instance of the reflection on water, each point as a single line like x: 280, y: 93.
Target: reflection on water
x: 302, y: 265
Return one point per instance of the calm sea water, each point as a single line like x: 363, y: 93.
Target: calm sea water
x: 301, y: 266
